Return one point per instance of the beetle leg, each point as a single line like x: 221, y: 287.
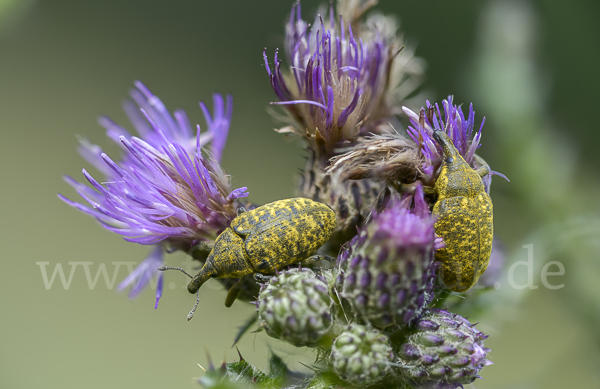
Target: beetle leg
x: 191, y: 314
x: 410, y: 188
x: 483, y: 171
x: 429, y: 191
x: 262, y: 278
x: 319, y: 261
x: 234, y: 292
x: 201, y: 250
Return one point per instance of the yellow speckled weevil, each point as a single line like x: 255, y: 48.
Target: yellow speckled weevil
x: 464, y: 219
x: 264, y: 240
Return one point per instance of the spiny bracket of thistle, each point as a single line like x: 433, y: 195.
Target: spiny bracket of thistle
x: 345, y: 76
x: 444, y: 348
x: 386, y: 273
x: 242, y: 375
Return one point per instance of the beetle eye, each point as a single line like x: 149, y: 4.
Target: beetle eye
x: 449, y: 159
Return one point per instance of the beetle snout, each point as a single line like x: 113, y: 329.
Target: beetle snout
x: 443, y: 140
x: 198, y: 281
x: 447, y: 146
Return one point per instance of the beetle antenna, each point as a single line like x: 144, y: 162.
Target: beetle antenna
x: 191, y: 314
x: 163, y: 268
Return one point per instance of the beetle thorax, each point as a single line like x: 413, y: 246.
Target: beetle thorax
x: 458, y: 179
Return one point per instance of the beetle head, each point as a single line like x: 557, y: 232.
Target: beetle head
x: 204, y: 275
x: 456, y: 177
x: 447, y: 146
x: 452, y: 158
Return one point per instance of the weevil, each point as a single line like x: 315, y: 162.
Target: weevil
x: 264, y: 240
x: 464, y: 219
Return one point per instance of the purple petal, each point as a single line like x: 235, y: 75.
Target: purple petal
x: 299, y: 102
x: 237, y: 193
x: 140, y: 277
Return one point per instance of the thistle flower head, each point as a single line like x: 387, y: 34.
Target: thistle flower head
x: 165, y: 188
x: 338, y: 80
x: 445, y: 348
x: 460, y: 129
x: 295, y: 306
x: 386, y: 273
x: 360, y: 355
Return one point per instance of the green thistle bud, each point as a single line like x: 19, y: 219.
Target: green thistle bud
x: 295, y: 306
x: 361, y: 356
x: 443, y: 347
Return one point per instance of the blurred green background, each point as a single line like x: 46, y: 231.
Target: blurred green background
x: 530, y: 67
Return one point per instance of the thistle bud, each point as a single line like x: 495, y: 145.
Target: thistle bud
x: 443, y: 347
x: 361, y: 356
x: 295, y: 306
x: 386, y: 274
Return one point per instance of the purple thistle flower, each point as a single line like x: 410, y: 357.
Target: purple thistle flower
x: 387, y: 272
x: 459, y: 128
x: 337, y: 79
x: 163, y: 190
x: 144, y: 273
x: 405, y: 228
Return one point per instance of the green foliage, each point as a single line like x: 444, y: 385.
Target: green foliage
x: 242, y: 374
x: 244, y: 328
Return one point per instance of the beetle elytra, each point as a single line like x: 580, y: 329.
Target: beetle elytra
x: 264, y: 240
x: 464, y: 219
